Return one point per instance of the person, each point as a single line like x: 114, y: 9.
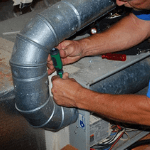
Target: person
x: 129, y: 31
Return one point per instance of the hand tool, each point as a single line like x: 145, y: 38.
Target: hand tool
x: 55, y: 55
x: 113, y: 56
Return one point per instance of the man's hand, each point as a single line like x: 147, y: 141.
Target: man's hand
x: 70, y: 52
x: 65, y: 91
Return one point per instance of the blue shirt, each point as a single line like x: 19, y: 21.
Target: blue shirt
x: 148, y: 92
x: 144, y: 15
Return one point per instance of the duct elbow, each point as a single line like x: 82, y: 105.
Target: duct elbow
x: 31, y: 85
x: 29, y: 59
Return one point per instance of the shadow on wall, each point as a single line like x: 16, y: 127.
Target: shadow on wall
x: 15, y: 132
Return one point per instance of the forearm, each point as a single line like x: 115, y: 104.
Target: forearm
x: 126, y: 33
x: 125, y: 108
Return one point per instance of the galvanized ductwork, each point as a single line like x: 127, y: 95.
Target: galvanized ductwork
x: 128, y: 81
x: 29, y: 59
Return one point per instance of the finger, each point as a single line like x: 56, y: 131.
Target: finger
x: 73, y: 79
x: 65, y: 75
x: 62, y: 53
x: 55, y: 77
x: 61, y: 45
x: 67, y: 52
x: 51, y: 67
x: 50, y: 71
x: 58, y: 46
x: 50, y: 62
x: 49, y: 58
x: 64, y: 44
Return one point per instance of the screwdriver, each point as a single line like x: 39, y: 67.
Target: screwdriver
x: 55, y: 55
x: 111, y: 56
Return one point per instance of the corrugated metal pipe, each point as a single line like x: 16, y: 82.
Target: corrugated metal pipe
x: 29, y: 59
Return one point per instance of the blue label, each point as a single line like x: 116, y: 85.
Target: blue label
x: 81, y: 121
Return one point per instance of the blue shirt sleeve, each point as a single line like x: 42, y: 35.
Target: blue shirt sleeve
x: 143, y: 15
x: 148, y: 92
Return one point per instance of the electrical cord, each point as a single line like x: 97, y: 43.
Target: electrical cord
x: 109, y: 142
x: 116, y: 134
x: 116, y: 141
x: 138, y: 143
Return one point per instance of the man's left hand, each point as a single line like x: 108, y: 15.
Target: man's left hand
x: 65, y: 91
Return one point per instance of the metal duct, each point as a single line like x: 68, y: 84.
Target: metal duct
x: 29, y: 59
x: 127, y: 81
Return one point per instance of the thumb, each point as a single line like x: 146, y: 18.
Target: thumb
x: 54, y: 78
x: 65, y: 75
x: 67, y: 51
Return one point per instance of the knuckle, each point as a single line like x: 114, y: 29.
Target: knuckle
x: 73, y: 79
x: 55, y: 82
x: 52, y: 90
x: 57, y: 101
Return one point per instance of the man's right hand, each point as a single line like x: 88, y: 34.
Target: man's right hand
x: 70, y: 52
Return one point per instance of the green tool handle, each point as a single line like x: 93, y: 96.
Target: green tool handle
x: 55, y: 55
